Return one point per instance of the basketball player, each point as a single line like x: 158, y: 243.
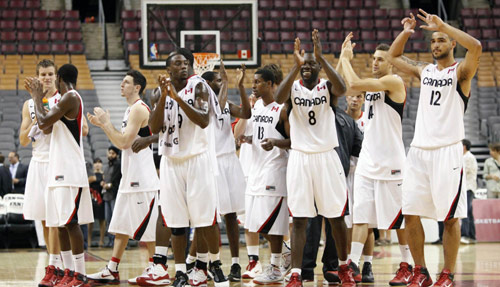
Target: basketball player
x: 136, y: 204
x: 187, y: 113
x: 315, y: 176
x: 433, y: 184
x: 266, y: 210
x: 378, y: 177
x: 68, y: 202
x: 230, y: 181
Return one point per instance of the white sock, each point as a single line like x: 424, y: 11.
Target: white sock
x: 276, y: 259
x: 367, y: 258
x: 67, y: 257
x: 79, y: 263
x: 342, y: 262
x: 296, y: 270
x: 203, y: 257
x: 235, y: 260
x: 180, y: 267
x: 405, y: 253
x: 253, y: 250
x: 162, y: 250
x: 356, y: 250
x: 55, y: 260
x: 214, y: 257
x: 113, y: 264
x: 190, y: 259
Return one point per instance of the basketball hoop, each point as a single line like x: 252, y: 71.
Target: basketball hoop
x: 204, y: 62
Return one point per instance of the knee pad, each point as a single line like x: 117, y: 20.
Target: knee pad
x: 178, y: 231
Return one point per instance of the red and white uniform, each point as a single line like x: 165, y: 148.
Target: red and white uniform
x: 315, y: 177
x: 433, y: 184
x: 350, y: 176
x: 68, y: 197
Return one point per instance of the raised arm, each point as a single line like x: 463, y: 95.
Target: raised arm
x: 245, y: 110
x: 338, y: 86
x: 222, y: 96
x: 468, y: 67
x: 138, y: 116
x: 395, y: 53
x: 26, y: 125
x: 65, y: 107
x: 158, y: 114
x: 283, y: 92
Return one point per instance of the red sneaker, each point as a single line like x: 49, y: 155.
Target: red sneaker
x: 295, y: 280
x: 50, y: 278
x: 403, y: 275
x: 445, y: 279
x: 60, y: 275
x: 79, y: 280
x: 420, y: 278
x: 346, y: 278
x: 68, y: 277
x: 355, y: 271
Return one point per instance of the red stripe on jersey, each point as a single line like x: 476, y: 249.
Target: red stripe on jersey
x: 142, y: 228
x: 215, y: 218
x: 77, y: 204
x: 276, y: 209
x: 395, y: 219
x: 453, y: 207
x: 79, y: 120
x: 346, y: 203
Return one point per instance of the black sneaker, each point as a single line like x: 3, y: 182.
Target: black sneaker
x: 219, y: 279
x: 235, y: 274
x: 189, y: 268
x: 181, y: 279
x: 355, y: 272
x: 367, y: 273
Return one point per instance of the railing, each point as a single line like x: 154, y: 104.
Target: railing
x: 442, y: 11
x: 102, y: 23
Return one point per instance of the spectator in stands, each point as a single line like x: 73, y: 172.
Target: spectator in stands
x: 112, y: 177
x: 97, y: 203
x: 18, y: 171
x: 491, y: 171
x: 5, y: 178
x: 468, y: 229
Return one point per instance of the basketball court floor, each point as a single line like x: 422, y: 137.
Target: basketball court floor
x: 478, y: 265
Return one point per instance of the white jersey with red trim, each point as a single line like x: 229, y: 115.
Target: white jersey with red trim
x: 268, y: 168
x: 192, y: 139
x: 138, y: 169
x: 382, y: 154
x: 312, y: 120
x: 224, y: 137
x: 441, y: 108
x: 66, y: 159
x: 361, y: 123
x: 42, y: 144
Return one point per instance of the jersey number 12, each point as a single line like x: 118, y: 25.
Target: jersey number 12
x: 435, y: 102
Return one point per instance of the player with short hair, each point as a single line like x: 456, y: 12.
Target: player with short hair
x: 136, y: 203
x: 315, y: 176
x: 433, y: 184
x: 68, y: 202
x: 186, y: 114
x: 379, y: 172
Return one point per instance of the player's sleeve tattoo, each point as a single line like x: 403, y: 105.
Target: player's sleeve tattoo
x: 413, y: 62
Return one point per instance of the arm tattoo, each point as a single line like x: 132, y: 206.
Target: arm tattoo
x: 413, y: 62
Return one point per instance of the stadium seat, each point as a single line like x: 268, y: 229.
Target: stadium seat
x: 40, y: 25
x: 281, y: 4
x: 489, y: 34
x: 58, y: 48
x: 240, y: 36
x: 365, y: 13
x: 57, y: 36
x: 130, y: 25
x: 131, y: 35
x: 228, y: 48
x: 8, y: 36
x: 9, y: 48
x: 303, y: 25
x: 320, y: 14
x: 476, y: 33
x: 263, y: 14
x: 56, y: 25
x: 17, y: 228
x: 366, y: 36
x: 7, y: 25
x: 9, y: 14
x: 356, y: 4
x: 25, y: 48
x: 24, y: 14
x: 16, y: 4
x: 130, y: 14
x: 396, y: 24
x: 396, y: 14
x: 318, y: 24
x: 24, y: 36
x: 495, y: 12
x: 335, y: 36
x: 4, y: 4
x: 369, y: 47
x: 496, y: 22
x: 371, y: 4
x: 365, y: 24
x: 133, y: 47
x: 33, y: 4
x: 274, y: 36
x: 351, y: 13
x: 305, y: 15
x: 466, y: 13
x: 381, y: 24
x: 384, y: 35
x: 483, y: 12
x: 265, y: 4
x: 419, y: 46
x: 41, y: 36
x: 76, y: 48
x: 295, y: 4
x: 470, y: 23
x: 240, y: 25
x: 334, y: 25
x: 56, y: 14
x: 380, y: 13
x: 337, y: 4
x: 23, y: 25
x: 42, y: 48
x: 72, y: 15
x: 72, y: 25
x: 350, y: 24
x: 285, y: 25
x: 493, y: 45
x: 74, y: 36
x: 335, y: 14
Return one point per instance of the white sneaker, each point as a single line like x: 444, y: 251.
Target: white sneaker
x: 105, y: 276
x: 133, y: 281
x: 198, y: 277
x: 286, y: 261
x: 271, y: 274
x: 157, y: 276
x: 253, y: 269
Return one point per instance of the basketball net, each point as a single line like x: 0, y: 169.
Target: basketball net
x: 204, y: 62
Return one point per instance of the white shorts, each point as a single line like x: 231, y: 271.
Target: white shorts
x: 231, y: 185
x: 433, y: 183
x: 68, y: 204
x: 266, y: 214
x: 377, y: 203
x: 135, y: 215
x: 350, y: 188
x: 188, y: 191
x: 34, y: 192
x: 316, y: 184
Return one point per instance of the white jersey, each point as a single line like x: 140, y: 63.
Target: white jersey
x: 441, y: 108
x: 312, y: 120
x: 268, y: 168
x: 66, y: 160
x: 361, y: 123
x: 138, y: 169
x: 42, y: 144
x: 224, y: 137
x: 382, y: 154
x: 192, y: 139
x: 246, y: 149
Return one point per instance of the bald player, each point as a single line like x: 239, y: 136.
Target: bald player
x: 433, y: 184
